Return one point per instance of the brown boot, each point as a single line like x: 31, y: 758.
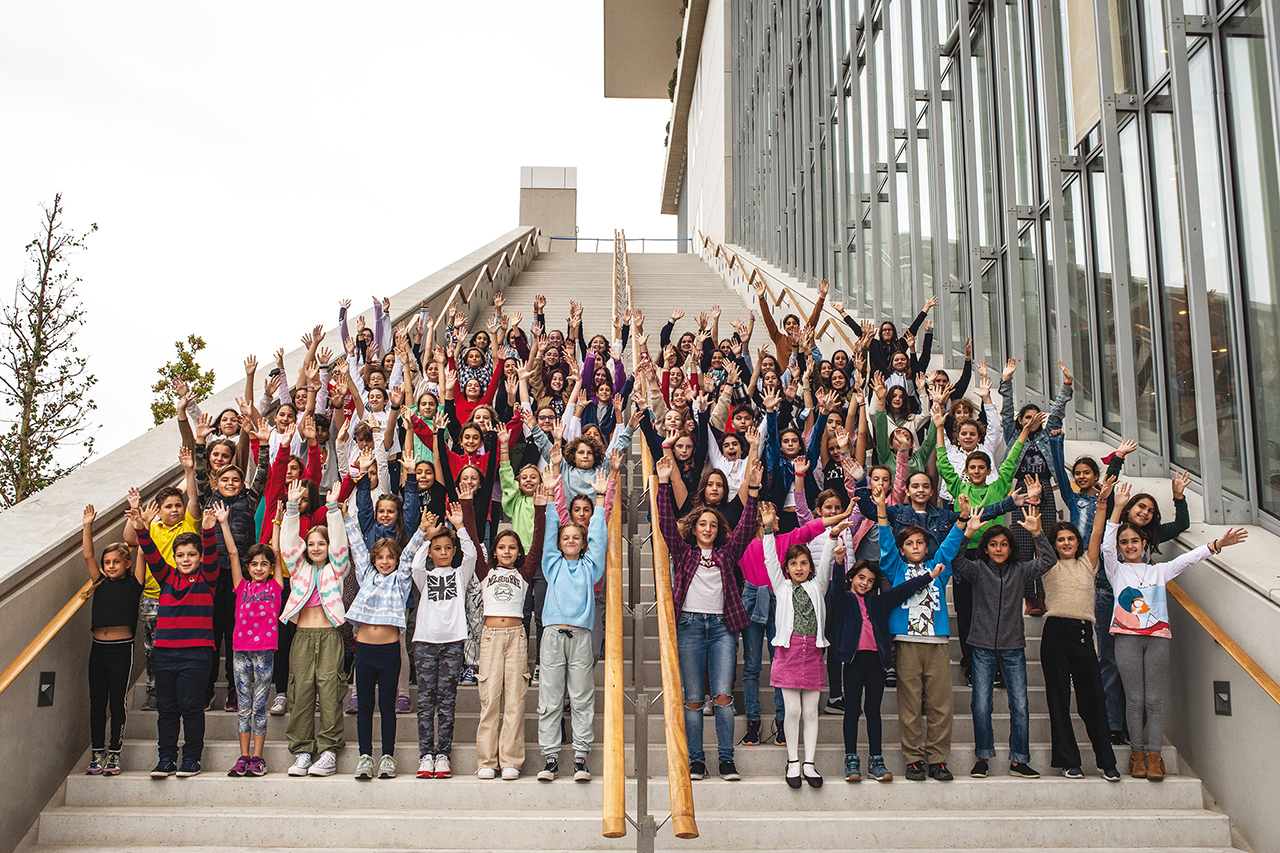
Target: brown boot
x: 1138, y: 764
x: 1155, y: 766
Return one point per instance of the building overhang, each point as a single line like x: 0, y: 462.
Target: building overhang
x: 640, y: 47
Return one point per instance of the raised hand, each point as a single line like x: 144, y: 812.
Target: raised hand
x: 1031, y: 521
x: 1010, y: 367
x: 220, y: 512
x: 251, y: 365
x: 209, y: 521
x: 1067, y: 376
x: 1232, y: 536
x: 1034, y: 486
x: 1181, y: 479
x: 1105, y: 488
x: 90, y: 514
x: 601, y: 481
x: 755, y: 474
x: 296, y: 491
x: 768, y: 515
x: 931, y: 303
x: 801, y: 464
x: 1126, y: 448
x: 204, y: 426
x: 134, y: 498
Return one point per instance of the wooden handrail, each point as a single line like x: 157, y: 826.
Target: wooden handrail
x: 614, y: 822
x: 1222, y: 638
x: 683, y: 822
x: 63, y: 616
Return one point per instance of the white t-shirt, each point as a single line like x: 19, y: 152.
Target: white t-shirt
x: 504, y: 592
x: 442, y: 610
x: 706, y: 590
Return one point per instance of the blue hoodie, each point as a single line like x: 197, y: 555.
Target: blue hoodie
x: 571, y: 598
x: 925, y: 613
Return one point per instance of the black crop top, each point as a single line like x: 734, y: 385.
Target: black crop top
x: 115, y: 603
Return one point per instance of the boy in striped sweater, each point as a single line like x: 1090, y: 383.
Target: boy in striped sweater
x: 184, y: 639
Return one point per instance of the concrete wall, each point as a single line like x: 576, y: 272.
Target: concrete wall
x: 549, y: 200
x: 707, y: 190
x: 41, y: 568
x: 1234, y: 756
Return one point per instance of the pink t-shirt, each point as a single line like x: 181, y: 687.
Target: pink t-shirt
x: 257, y: 616
x: 867, y: 640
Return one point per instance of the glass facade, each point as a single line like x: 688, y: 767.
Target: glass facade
x: 1142, y: 249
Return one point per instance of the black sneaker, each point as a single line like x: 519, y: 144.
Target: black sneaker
x: 697, y: 770
x: 980, y: 769
x: 729, y: 772
x: 968, y: 677
x: 999, y: 680
x: 1111, y: 774
x: 752, y: 735
x: 1073, y: 772
x: 835, y: 706
x: 940, y: 772
x: 190, y: 767
x: 916, y: 772
x: 1118, y: 739
x: 890, y: 677
x: 580, y: 771
x: 233, y: 702
x: 166, y: 768
x: 1023, y: 770
x: 779, y: 733
x: 548, y: 773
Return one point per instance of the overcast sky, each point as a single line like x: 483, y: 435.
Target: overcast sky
x: 248, y: 164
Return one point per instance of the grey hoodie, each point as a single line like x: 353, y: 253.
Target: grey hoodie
x: 997, y: 595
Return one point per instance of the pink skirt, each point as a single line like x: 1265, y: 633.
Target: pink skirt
x: 798, y: 666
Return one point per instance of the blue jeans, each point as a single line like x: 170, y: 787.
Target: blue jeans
x: 1104, y: 603
x: 754, y: 637
x: 1013, y: 663
x: 706, y: 646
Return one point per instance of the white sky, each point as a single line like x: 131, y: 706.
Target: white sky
x: 249, y: 164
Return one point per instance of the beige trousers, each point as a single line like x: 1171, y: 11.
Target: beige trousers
x: 924, y: 672
x: 503, y: 680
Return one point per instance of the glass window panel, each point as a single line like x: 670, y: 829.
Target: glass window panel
x: 924, y: 176
x: 897, y: 63
x: 953, y: 172
x: 990, y: 318
x: 1049, y: 272
x: 1122, y: 48
x: 919, y: 39
x: 1033, y: 369
x: 1103, y: 268
x: 888, y: 258
x: 1066, y: 115
x: 1257, y: 184
x: 1019, y: 95
x: 961, y: 332
x: 1249, y: 109
x: 1135, y: 212
x: 1041, y: 109
x: 882, y: 98
x: 864, y: 90
x: 1180, y: 379
x: 1155, y: 52
x: 905, y: 300
x: 984, y: 139
x: 1213, y: 228
x: 1079, y: 304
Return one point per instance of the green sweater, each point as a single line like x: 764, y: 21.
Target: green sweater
x: 982, y: 495
x: 919, y: 458
x: 517, y: 505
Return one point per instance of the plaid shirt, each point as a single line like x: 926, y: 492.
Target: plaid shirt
x: 685, y: 558
x: 382, y: 598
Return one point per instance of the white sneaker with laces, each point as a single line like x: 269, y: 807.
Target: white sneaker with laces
x: 442, y: 767
x: 301, y: 764
x: 427, y: 767
x: 325, y: 765
x: 510, y: 774
x: 280, y: 706
x: 486, y: 773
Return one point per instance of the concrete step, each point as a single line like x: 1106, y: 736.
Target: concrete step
x: 663, y: 844
x: 752, y: 794
x: 762, y: 761
x: 324, y: 825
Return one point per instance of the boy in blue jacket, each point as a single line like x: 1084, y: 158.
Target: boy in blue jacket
x: 573, y: 561
x: 921, y: 633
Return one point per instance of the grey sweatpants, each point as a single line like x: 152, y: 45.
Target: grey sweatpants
x: 1143, y: 662
x: 567, y: 662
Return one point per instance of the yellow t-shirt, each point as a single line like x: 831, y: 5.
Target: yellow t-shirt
x: 163, y: 537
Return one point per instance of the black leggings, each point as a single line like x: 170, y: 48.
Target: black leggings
x: 377, y: 665
x: 865, y: 671
x: 110, y: 665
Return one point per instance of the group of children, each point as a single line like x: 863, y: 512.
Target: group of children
x: 466, y: 489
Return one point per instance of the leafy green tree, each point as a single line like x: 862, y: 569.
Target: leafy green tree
x: 184, y: 368
x: 44, y: 380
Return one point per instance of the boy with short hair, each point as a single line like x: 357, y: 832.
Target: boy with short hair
x: 184, y: 639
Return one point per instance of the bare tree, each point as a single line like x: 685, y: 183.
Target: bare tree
x: 44, y: 380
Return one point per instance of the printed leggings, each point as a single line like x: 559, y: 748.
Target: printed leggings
x: 253, y: 673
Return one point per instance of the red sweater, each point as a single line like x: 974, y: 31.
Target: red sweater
x: 185, y: 618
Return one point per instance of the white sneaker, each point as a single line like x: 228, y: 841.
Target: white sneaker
x: 486, y: 773
x: 280, y: 706
x: 510, y: 773
x: 325, y: 765
x: 442, y: 767
x: 708, y: 708
x: 427, y: 767
x: 301, y: 763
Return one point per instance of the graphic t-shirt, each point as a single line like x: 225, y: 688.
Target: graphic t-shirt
x: 257, y: 612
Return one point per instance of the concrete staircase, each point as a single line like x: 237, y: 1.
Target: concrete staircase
x: 214, y: 812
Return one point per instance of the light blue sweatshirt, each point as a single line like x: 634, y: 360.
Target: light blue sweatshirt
x: 571, y: 598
